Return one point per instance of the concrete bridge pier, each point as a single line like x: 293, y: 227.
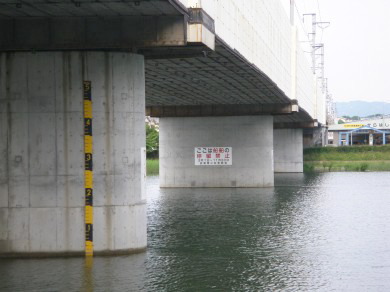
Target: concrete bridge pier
x: 42, y: 188
x: 250, y: 139
x: 288, y: 150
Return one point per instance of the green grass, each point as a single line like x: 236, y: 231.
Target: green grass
x: 321, y: 159
x: 348, y: 158
x: 152, y: 166
x: 347, y: 153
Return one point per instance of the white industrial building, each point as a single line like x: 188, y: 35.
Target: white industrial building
x: 367, y: 132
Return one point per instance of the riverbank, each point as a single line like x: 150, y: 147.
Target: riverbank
x: 348, y: 158
x: 152, y: 166
x: 325, y: 159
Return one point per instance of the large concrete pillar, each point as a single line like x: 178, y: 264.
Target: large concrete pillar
x: 42, y: 194
x: 288, y: 150
x: 250, y: 139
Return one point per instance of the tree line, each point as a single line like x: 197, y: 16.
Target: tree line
x: 152, y: 141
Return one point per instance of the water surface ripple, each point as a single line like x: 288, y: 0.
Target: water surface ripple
x: 317, y: 232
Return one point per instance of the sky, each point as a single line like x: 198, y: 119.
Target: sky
x: 357, y: 46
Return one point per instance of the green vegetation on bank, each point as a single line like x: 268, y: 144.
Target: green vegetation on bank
x: 152, y: 166
x: 152, y: 148
x: 152, y: 141
x: 349, y: 158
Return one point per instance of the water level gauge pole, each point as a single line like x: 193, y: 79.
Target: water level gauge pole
x: 88, y: 170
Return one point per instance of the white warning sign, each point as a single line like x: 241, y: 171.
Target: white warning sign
x: 213, y: 156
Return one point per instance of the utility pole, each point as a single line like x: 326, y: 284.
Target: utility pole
x: 313, y: 41
x: 312, y: 38
x: 292, y: 5
x: 320, y: 66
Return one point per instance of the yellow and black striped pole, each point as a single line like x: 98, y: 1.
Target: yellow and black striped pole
x: 88, y: 172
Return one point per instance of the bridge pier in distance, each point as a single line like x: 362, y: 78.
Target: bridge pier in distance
x: 288, y: 150
x: 249, y: 138
x: 42, y: 154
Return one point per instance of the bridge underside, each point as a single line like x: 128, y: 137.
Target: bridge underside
x: 181, y: 73
x: 215, y: 83
x: 205, y: 92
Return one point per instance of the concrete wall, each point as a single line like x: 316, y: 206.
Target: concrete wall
x: 288, y: 150
x: 251, y: 139
x: 42, y: 152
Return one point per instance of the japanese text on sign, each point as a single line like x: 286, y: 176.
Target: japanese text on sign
x: 213, y: 156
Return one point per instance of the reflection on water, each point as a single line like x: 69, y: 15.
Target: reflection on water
x: 88, y: 278
x: 311, y: 232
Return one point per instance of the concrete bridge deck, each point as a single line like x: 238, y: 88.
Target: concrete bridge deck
x: 75, y: 80
x: 191, y: 57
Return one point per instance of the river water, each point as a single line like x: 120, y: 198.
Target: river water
x: 317, y: 232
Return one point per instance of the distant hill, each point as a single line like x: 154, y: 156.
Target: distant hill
x: 362, y: 108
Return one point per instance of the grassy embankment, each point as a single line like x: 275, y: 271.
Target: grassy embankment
x: 152, y: 166
x: 348, y: 158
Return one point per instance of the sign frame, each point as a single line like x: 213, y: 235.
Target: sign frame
x: 213, y: 156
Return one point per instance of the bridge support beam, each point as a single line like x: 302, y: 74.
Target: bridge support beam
x: 288, y: 150
x: 42, y: 195
x: 250, y: 139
